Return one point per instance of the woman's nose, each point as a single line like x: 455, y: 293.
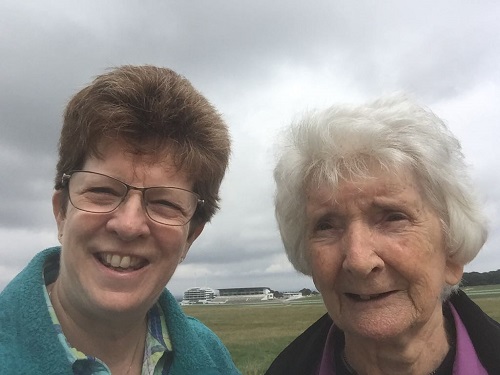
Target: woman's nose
x: 130, y: 219
x: 360, y: 250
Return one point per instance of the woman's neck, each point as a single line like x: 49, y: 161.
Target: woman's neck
x: 419, y: 352
x: 118, y: 342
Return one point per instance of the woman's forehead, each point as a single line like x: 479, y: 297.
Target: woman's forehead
x: 120, y: 153
x: 375, y: 175
x: 376, y: 186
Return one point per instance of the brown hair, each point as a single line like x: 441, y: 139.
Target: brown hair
x: 153, y: 110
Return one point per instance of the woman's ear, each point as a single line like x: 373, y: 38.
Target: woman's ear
x: 193, y: 235
x: 453, y: 272
x: 58, y: 211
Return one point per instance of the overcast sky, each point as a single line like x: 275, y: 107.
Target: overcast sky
x: 261, y: 63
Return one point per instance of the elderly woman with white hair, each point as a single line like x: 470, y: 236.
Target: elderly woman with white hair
x: 375, y: 203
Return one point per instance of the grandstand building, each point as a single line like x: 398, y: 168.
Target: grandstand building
x: 240, y: 292
x: 244, y: 295
x: 198, y: 295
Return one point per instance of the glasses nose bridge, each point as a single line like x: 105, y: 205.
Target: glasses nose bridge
x: 130, y: 187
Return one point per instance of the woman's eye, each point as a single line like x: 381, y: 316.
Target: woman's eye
x: 102, y: 190
x: 326, y: 229
x: 395, y: 216
x: 165, y: 204
x: 322, y: 226
x: 328, y: 226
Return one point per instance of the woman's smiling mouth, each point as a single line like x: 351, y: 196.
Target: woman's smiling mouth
x: 121, y: 263
x: 367, y: 297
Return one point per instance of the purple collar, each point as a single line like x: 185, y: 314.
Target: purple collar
x: 466, y: 360
x: 326, y: 366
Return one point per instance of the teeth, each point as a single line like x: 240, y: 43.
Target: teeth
x: 118, y: 261
x: 115, y: 260
x: 125, y: 263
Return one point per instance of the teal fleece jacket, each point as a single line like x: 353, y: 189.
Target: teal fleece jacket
x: 29, y: 343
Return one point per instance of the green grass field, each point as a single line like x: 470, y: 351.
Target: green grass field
x: 255, y: 334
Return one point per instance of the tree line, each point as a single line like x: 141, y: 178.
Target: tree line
x: 481, y: 278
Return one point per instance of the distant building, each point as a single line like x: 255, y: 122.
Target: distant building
x: 264, y: 293
x: 198, y: 295
x: 292, y: 295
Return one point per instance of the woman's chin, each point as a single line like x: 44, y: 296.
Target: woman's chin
x: 381, y: 327
x: 114, y: 304
x: 379, y: 334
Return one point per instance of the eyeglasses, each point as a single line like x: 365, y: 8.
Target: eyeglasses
x: 99, y: 193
